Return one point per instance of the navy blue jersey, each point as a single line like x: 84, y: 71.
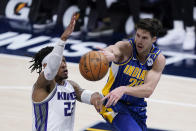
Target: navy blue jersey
x: 132, y: 73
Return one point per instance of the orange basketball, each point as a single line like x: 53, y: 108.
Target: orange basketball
x: 93, y: 65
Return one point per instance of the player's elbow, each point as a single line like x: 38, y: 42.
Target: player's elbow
x: 149, y: 92
x: 49, y: 74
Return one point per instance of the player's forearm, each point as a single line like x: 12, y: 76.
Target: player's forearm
x: 142, y: 91
x: 78, y: 92
x: 53, y: 60
x: 109, y: 53
x: 89, y: 97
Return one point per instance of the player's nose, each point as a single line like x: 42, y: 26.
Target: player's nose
x: 64, y: 65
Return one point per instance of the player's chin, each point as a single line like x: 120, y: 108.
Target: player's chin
x: 64, y: 76
x: 140, y: 50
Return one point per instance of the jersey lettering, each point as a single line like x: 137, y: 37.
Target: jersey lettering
x: 66, y: 96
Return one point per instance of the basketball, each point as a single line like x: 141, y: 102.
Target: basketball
x: 93, y: 65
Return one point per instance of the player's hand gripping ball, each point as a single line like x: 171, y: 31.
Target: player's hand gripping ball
x: 93, y: 65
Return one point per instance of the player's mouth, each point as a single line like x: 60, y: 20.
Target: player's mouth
x: 139, y: 47
x: 65, y: 72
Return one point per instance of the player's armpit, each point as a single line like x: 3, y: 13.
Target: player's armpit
x: 42, y: 82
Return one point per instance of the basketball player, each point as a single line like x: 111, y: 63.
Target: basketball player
x: 135, y: 71
x: 53, y: 96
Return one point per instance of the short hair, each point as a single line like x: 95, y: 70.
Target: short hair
x: 153, y: 26
x: 38, y: 57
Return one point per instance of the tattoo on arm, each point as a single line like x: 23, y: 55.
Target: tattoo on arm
x: 77, y: 89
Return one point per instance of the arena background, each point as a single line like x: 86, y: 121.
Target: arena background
x: 19, y: 40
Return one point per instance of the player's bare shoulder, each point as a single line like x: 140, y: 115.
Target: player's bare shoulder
x: 77, y: 89
x: 74, y: 84
x: 160, y: 62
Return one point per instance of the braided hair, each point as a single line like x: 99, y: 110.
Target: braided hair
x: 38, y: 57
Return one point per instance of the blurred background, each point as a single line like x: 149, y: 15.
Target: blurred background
x: 28, y: 25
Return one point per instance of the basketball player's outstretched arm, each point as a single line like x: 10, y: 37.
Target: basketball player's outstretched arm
x: 86, y: 96
x: 53, y: 60
x: 118, y: 52
x: 142, y: 91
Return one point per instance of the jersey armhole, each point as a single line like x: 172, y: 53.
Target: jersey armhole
x: 48, y: 98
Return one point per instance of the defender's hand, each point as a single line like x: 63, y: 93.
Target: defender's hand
x: 70, y: 27
x: 96, y: 101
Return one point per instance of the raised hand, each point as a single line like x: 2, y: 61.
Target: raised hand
x: 70, y: 27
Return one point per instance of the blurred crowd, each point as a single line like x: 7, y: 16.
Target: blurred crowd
x: 106, y: 17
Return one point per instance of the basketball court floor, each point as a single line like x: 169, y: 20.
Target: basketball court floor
x: 171, y: 107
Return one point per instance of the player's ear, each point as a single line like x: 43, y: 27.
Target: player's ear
x: 154, y: 39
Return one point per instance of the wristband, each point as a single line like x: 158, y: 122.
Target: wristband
x: 86, y: 96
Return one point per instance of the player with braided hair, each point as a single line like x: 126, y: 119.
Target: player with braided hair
x: 37, y: 59
x: 53, y: 96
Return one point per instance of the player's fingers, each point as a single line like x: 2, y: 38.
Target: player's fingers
x: 110, y: 101
x: 77, y: 15
x: 100, y: 107
x: 72, y: 24
x: 115, y: 101
x: 97, y: 106
x: 74, y: 17
x: 100, y: 104
x: 104, y: 98
x: 98, y: 48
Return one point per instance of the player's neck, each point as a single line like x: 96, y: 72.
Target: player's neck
x: 60, y: 81
x: 142, y: 56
